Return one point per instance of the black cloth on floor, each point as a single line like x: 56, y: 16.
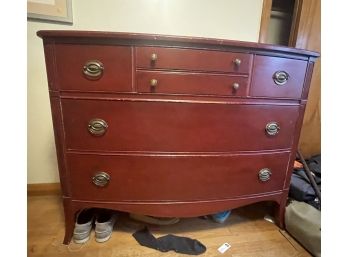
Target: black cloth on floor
x: 169, y: 242
x: 301, y: 188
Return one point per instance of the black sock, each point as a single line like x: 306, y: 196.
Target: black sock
x: 169, y: 242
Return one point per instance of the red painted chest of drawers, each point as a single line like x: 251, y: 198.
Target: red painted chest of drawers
x: 173, y: 126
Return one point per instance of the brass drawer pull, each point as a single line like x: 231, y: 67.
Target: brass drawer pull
x: 237, y: 62
x: 101, y: 179
x: 153, y: 82
x: 280, y: 78
x: 265, y: 174
x: 97, y: 127
x: 93, y: 69
x: 235, y: 86
x: 153, y: 57
x: 272, y: 128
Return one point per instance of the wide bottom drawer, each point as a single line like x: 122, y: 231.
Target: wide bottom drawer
x: 174, y: 177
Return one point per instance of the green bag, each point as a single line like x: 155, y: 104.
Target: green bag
x: 303, y: 222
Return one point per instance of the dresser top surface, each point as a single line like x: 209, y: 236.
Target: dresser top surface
x: 142, y: 38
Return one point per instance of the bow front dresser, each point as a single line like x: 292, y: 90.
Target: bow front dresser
x: 173, y: 126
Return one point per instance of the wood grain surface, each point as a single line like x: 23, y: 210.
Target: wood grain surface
x: 70, y: 36
x: 116, y: 60
x: 172, y: 177
x: 191, y: 83
x: 177, y: 127
x: 196, y: 60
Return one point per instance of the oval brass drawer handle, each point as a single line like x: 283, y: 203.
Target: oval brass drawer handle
x: 265, y: 174
x: 280, y: 77
x: 101, y: 179
x: 97, y: 127
x: 93, y: 69
x: 272, y: 128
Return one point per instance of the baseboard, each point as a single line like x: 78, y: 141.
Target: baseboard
x: 43, y: 189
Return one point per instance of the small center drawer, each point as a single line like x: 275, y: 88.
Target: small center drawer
x: 191, y: 83
x: 188, y: 59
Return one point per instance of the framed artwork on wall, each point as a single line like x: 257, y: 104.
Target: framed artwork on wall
x: 50, y: 10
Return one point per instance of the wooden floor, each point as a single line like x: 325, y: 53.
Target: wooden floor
x: 246, y: 231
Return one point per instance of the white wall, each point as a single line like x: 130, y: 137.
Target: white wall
x: 228, y: 19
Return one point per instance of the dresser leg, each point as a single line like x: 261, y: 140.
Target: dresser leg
x: 69, y: 214
x: 280, y: 211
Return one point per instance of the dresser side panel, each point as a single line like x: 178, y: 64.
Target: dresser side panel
x: 309, y: 73
x: 294, y: 146
x: 50, y: 60
x: 59, y: 136
x: 296, y: 139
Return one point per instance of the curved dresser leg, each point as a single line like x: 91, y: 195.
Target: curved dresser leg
x: 69, y: 214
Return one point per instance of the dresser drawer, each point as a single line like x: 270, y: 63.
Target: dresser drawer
x: 191, y: 83
x: 196, y: 60
x: 141, y: 125
x: 94, y: 68
x: 277, y: 77
x: 177, y: 178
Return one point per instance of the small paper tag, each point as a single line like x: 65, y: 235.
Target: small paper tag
x: 224, y: 248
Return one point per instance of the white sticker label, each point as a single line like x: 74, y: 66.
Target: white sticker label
x: 224, y: 248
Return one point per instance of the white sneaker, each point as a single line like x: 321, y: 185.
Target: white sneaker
x: 83, y: 226
x: 104, y: 225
